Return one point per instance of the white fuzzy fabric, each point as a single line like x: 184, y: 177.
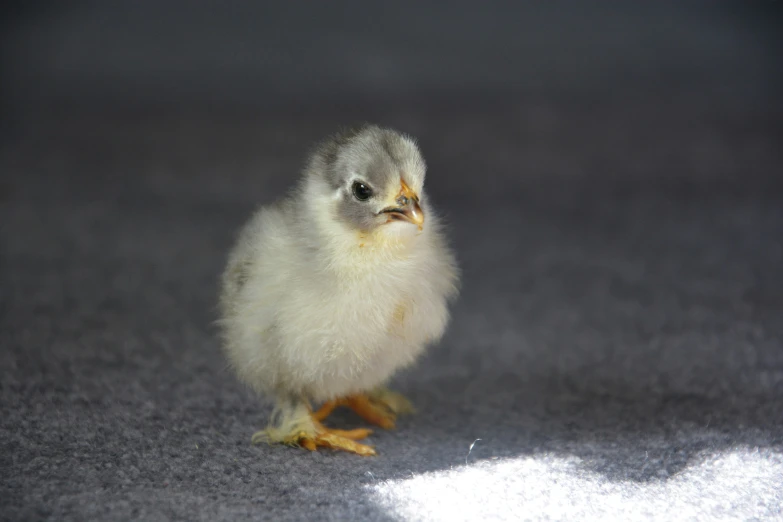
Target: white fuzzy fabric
x: 743, y: 484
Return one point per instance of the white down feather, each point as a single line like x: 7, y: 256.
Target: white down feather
x: 314, y: 309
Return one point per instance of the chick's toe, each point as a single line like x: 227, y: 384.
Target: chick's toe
x: 334, y: 440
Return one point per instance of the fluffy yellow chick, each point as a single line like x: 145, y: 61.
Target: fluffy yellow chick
x: 332, y: 289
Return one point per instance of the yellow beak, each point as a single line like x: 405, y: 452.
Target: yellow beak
x: 407, y: 207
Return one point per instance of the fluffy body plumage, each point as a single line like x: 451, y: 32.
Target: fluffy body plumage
x: 323, y: 297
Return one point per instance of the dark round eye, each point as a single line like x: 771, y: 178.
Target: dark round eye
x: 361, y: 191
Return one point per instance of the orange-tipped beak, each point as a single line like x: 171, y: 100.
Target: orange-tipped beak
x: 407, y: 208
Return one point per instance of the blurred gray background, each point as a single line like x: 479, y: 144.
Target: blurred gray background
x: 611, y: 174
x: 264, y: 54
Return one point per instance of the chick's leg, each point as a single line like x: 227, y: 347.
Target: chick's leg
x: 392, y: 400
x: 379, y: 407
x: 294, y: 424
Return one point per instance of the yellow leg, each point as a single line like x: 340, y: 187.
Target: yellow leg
x: 396, y: 402
x: 325, y: 410
x: 372, y: 412
x: 380, y: 407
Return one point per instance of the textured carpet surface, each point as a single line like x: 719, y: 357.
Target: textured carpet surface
x: 618, y: 335
x: 617, y: 347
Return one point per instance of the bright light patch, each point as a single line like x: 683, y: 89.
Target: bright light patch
x: 741, y: 485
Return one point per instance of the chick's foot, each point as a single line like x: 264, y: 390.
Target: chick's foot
x: 318, y: 436
x: 344, y: 440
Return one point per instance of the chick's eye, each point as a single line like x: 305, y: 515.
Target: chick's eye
x: 361, y: 191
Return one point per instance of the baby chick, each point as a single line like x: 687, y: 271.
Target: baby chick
x: 330, y: 290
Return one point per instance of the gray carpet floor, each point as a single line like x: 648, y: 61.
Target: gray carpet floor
x: 617, y: 349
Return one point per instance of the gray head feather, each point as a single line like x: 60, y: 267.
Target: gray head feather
x: 376, y: 157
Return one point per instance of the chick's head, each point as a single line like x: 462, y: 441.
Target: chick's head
x: 376, y: 179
